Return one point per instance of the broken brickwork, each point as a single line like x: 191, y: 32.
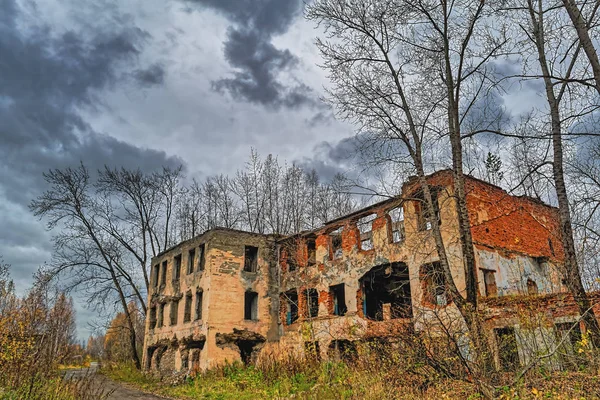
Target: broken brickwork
x: 370, y: 274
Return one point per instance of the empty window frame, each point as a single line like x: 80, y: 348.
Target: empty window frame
x: 174, y: 312
x: 153, y: 317
x: 290, y: 299
x: 568, y: 337
x: 384, y: 286
x: 365, y: 227
x: 489, y: 280
x: 201, y: 257
x: 397, y: 224
x: 312, y: 302
x: 434, y: 284
x: 161, y: 315
x: 251, y: 306
x: 337, y: 295
x: 177, y: 267
x: 191, y: 261
x: 250, y: 258
x: 156, y: 274
x: 163, y: 273
x: 336, y: 251
x: 508, y: 354
x: 187, y: 315
x: 421, y: 210
x: 199, y: 304
x: 311, y: 249
x: 532, y: 287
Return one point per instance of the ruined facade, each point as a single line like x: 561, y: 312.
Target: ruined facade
x: 229, y: 295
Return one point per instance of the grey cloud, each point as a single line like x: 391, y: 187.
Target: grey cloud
x: 258, y: 62
x: 153, y: 75
x: 46, y: 80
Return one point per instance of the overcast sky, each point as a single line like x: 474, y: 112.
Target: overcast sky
x: 144, y: 83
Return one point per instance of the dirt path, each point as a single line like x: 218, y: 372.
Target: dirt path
x: 118, y: 391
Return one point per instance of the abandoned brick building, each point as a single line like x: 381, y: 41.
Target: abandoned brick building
x: 230, y: 295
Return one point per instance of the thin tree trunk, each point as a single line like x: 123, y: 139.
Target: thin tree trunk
x: 571, y: 267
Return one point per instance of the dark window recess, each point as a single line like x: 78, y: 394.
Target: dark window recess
x: 156, y: 274
x: 250, y: 258
x: 421, y: 210
x: 508, y: 354
x: 177, y: 268
x: 338, y: 298
x: 161, y: 316
x: 174, y: 312
x: 187, y: 315
x: 568, y: 337
x: 312, y: 303
x: 163, y: 275
x: 434, y: 284
x: 191, y: 260
x: 152, y: 317
x: 199, y: 304
x: 311, y: 247
x: 489, y: 279
x: 291, y: 252
x: 365, y: 227
x: 532, y: 287
x: 251, y: 306
x: 336, y: 244
x: 290, y: 298
x: 397, y: 224
x: 201, y: 257
x: 343, y: 350
x: 386, y: 285
x: 312, y: 351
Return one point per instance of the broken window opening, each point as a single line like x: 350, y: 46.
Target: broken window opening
x: 338, y: 298
x: 422, y: 210
x: 386, y: 292
x: 191, y: 259
x: 250, y: 258
x: 199, y: 304
x: 247, y: 342
x: 201, y: 257
x: 152, y: 317
x: 251, y: 306
x: 365, y: 227
x: 532, y: 287
x: 187, y: 315
x: 291, y: 306
x: 177, y: 268
x: 288, y: 253
x: 174, y: 312
x: 489, y: 279
x: 161, y: 316
x: 508, y: 354
x: 433, y: 282
x: 311, y: 247
x: 342, y: 350
x: 156, y: 273
x: 312, y: 303
x: 312, y: 351
x: 397, y: 224
x: 163, y: 275
x: 336, y: 251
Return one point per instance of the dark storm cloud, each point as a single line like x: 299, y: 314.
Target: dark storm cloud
x: 258, y: 62
x: 47, y: 78
x: 153, y: 75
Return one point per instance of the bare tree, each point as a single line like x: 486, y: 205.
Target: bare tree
x: 83, y: 248
x: 557, y: 55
